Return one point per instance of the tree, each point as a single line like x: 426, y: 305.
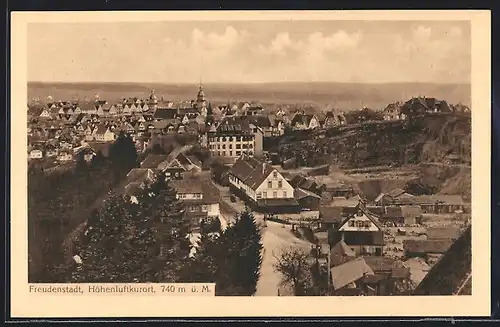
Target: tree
x: 123, y: 154
x: 203, y: 267
x: 135, y: 242
x: 245, y: 252
x: 293, y: 265
x: 230, y: 258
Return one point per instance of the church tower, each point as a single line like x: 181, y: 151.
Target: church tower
x: 153, y: 102
x: 201, y: 102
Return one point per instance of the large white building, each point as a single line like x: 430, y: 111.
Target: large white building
x: 261, y: 183
x: 234, y: 137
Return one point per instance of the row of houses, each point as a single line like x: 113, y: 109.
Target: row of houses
x: 419, y: 106
x: 185, y: 174
x: 353, y: 274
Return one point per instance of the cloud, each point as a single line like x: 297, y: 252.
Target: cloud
x: 315, y: 44
x: 219, y: 42
x: 339, y: 40
x: 234, y: 54
x: 422, y: 33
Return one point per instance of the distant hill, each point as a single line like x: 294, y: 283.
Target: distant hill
x: 343, y: 96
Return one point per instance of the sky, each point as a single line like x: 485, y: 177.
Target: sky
x: 251, y: 51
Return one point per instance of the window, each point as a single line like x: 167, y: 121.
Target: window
x: 218, y: 153
x: 223, y: 146
x: 223, y: 139
x: 197, y: 196
x: 269, y: 184
x: 238, y: 153
x: 230, y: 153
x: 230, y: 146
x: 351, y: 223
x: 284, y: 194
x: 368, y: 224
x: 264, y: 195
x: 245, y: 146
x: 360, y: 223
x: 238, y: 146
x: 259, y: 195
x: 280, y: 184
x: 275, y: 174
x: 224, y: 153
x: 218, y: 146
x: 275, y: 194
x: 204, y: 208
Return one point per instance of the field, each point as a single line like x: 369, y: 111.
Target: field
x: 343, y: 96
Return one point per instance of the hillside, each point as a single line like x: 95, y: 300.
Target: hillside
x: 424, y: 142
x: 343, y: 96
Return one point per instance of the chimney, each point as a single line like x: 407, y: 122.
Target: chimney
x: 263, y: 168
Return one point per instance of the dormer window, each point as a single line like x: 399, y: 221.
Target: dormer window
x: 275, y: 174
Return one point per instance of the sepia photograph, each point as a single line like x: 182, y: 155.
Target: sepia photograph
x: 269, y: 157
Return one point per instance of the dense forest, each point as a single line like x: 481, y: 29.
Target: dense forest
x: 59, y: 201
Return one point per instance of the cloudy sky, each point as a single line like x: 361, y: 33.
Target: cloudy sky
x: 251, y: 51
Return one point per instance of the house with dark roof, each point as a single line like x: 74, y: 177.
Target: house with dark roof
x: 341, y: 253
x: 387, y: 273
x: 349, y: 206
x: 430, y: 250
x: 303, y: 121
x: 254, y: 109
x: 153, y: 160
x: 349, y: 275
x: 443, y: 233
x: 200, y: 198
x: 361, y: 231
x: 393, y: 112
x: 165, y: 114
x: 330, y: 217
x: 424, y: 105
x: 307, y: 200
x: 406, y: 214
x: 452, y: 274
x: 331, y: 119
x: 263, y: 122
x: 262, y: 185
x: 103, y: 134
x: 440, y: 204
x: 397, y: 196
